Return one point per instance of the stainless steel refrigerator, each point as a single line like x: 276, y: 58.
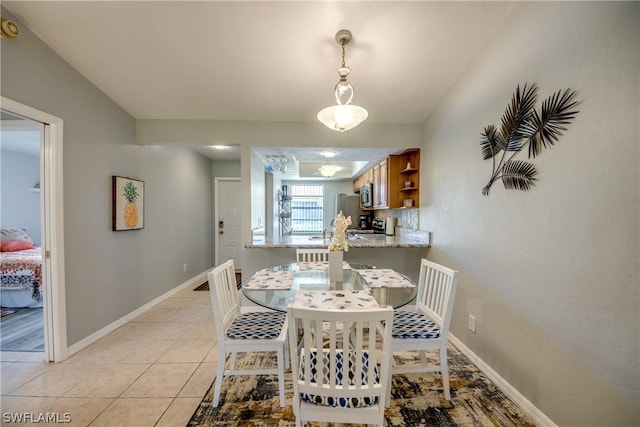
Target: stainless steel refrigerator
x: 350, y: 206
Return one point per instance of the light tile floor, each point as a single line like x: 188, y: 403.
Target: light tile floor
x: 152, y: 371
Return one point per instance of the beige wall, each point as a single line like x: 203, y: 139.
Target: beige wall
x: 550, y: 274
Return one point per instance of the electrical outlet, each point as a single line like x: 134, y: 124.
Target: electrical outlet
x: 472, y: 324
x: 184, y: 267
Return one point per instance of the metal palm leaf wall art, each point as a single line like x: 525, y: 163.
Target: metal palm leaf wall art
x: 522, y: 126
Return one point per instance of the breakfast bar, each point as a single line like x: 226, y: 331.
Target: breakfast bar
x: 401, y: 252
x: 406, y: 239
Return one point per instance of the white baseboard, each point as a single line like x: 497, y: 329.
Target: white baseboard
x: 538, y: 416
x: 85, y: 342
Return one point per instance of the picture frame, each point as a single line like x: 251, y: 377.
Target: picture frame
x: 128, y: 203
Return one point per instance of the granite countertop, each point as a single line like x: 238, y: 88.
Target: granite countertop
x: 404, y: 239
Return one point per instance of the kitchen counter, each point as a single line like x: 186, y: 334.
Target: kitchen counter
x: 404, y: 239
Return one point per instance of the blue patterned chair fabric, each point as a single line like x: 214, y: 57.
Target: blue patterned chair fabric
x: 413, y: 324
x: 340, y: 402
x: 258, y: 325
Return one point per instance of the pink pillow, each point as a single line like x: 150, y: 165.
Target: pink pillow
x: 15, y: 245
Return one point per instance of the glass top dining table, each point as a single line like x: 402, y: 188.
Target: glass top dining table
x: 318, y: 279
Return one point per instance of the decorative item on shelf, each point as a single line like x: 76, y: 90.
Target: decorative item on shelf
x: 408, y: 165
x: 338, y: 246
x: 407, y: 203
x: 522, y: 125
x: 277, y: 162
x: 344, y: 115
x: 408, y: 184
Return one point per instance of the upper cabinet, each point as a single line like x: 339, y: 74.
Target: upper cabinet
x: 365, y: 178
x: 404, y: 179
x: 381, y: 185
x: 395, y: 181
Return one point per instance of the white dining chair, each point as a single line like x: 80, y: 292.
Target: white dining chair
x: 312, y: 255
x: 256, y: 331
x: 427, y: 327
x: 340, y: 377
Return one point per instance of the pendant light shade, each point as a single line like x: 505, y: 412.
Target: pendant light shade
x: 344, y: 115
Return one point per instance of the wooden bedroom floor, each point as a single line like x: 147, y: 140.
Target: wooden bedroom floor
x: 22, y: 331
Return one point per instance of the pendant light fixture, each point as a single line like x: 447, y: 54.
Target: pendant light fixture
x: 344, y: 115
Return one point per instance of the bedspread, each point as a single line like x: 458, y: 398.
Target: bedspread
x: 22, y: 270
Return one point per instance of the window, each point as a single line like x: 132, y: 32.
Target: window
x: 307, y: 212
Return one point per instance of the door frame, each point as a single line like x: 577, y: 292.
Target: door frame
x: 52, y: 225
x: 216, y: 213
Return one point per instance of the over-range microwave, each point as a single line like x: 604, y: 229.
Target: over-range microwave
x: 366, y: 196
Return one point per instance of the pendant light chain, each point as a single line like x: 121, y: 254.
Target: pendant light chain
x: 343, y: 55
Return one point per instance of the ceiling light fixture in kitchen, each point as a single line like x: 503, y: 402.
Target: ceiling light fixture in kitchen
x: 345, y: 115
x: 328, y: 170
x: 328, y: 153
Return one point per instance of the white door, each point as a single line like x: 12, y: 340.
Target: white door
x: 227, y: 221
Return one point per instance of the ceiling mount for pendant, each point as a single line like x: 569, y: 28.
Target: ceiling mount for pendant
x: 343, y: 37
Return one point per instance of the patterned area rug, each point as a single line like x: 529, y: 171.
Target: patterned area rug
x: 416, y: 400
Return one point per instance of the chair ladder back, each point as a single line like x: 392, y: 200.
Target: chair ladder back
x: 312, y: 255
x: 437, y: 283
x: 438, y: 288
x: 355, y: 350
x: 224, y: 295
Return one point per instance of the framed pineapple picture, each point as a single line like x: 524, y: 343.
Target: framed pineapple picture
x: 128, y: 204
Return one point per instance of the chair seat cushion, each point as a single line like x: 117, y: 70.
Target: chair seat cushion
x: 339, y: 402
x: 257, y: 325
x: 413, y: 324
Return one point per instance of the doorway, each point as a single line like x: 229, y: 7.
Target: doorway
x: 227, y: 220
x: 51, y: 227
x: 21, y: 286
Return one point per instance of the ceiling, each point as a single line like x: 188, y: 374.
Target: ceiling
x: 305, y: 162
x: 265, y: 61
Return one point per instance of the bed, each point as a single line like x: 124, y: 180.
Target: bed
x: 21, y: 278
x: 20, y: 270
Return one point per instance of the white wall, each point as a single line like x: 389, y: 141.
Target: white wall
x: 272, y: 221
x: 257, y: 191
x: 20, y: 206
x: 550, y: 274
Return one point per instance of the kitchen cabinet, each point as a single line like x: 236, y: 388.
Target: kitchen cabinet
x: 381, y: 186
x: 404, y: 179
x: 396, y: 181
x: 363, y: 179
x: 376, y: 185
